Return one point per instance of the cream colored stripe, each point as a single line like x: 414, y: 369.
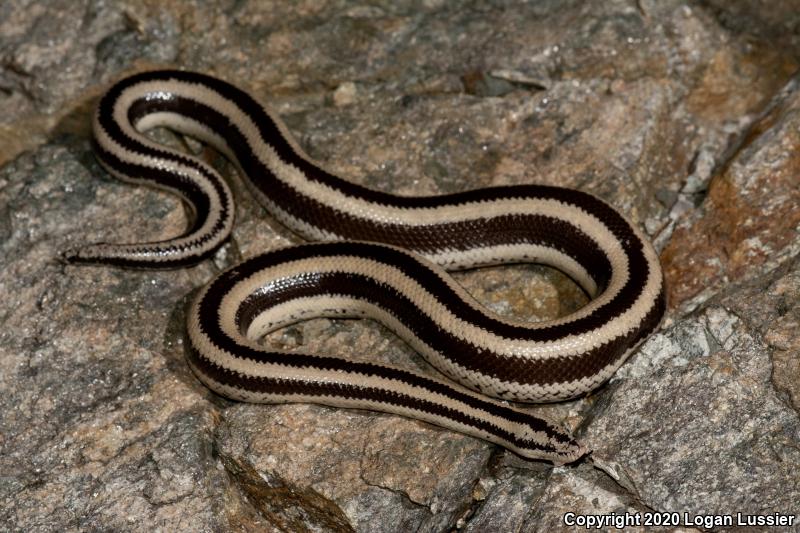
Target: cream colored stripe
x: 311, y: 375
x: 299, y: 309
x: 516, y: 253
x: 428, y: 304
x: 194, y: 239
x: 560, y: 456
x: 182, y: 124
x: 353, y: 206
x: 358, y: 207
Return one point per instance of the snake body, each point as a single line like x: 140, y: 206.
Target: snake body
x: 383, y: 257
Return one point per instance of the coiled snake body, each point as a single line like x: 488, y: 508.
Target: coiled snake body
x: 384, y: 257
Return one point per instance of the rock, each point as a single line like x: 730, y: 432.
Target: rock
x: 703, y: 416
x: 749, y: 223
x: 682, y: 114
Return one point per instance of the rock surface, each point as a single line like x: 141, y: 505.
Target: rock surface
x: 686, y: 115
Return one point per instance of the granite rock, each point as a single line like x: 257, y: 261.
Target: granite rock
x: 684, y: 114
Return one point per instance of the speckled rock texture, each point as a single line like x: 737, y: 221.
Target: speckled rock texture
x: 684, y: 114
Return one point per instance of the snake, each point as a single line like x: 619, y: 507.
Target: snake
x: 381, y: 256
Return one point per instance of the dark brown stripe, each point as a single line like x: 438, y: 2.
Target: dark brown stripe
x: 463, y: 235
x: 283, y: 386
x: 474, y: 358
x: 194, y: 196
x: 509, y: 369
x: 210, y: 326
x: 272, y: 135
x: 429, y: 279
